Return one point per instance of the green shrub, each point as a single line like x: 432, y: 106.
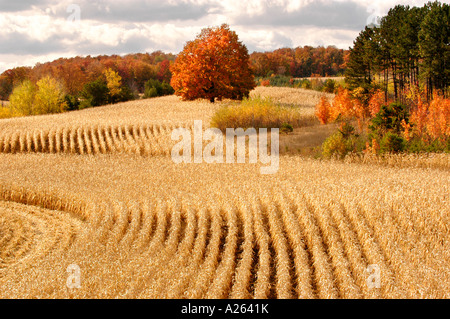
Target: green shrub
x: 329, y: 86
x: 346, y: 130
x: 389, y: 119
x: 84, y: 104
x: 94, y: 93
x: 306, y: 84
x: 125, y: 94
x: 167, y: 89
x: 280, y: 81
x: 343, y: 142
x: 335, y: 145
x: 317, y: 85
x: 286, y: 128
x: 154, y: 88
x: 392, y: 143
x: 151, y: 92
x: 418, y: 145
x: 72, y: 102
x: 386, y: 128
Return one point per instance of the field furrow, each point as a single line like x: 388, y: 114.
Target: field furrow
x: 208, y: 266
x: 96, y: 189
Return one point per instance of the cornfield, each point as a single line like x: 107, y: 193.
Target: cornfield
x: 140, y: 226
x: 137, y: 127
x: 138, y: 139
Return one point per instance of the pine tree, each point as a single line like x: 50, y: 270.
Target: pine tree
x: 359, y: 66
x: 434, y: 47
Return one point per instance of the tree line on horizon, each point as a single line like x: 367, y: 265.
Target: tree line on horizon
x: 300, y: 62
x: 135, y: 70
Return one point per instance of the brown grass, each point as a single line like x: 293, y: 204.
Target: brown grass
x: 308, y: 231
x: 302, y: 98
x: 145, y: 227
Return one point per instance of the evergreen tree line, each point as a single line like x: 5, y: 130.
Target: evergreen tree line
x: 409, y: 49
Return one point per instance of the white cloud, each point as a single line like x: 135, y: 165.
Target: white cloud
x: 264, y: 40
x: 33, y: 31
x: 9, y: 61
x: 296, y: 5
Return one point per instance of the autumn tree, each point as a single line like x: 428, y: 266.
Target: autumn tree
x: 47, y: 96
x: 12, y: 78
x: 164, y: 71
x: 323, y: 110
x: 214, y: 65
x: 299, y: 62
x: 6, y: 86
x: 113, y: 82
x: 142, y: 72
x: 22, y: 98
x: 72, y: 77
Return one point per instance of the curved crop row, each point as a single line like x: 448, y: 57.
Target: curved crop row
x: 132, y: 139
x: 291, y: 242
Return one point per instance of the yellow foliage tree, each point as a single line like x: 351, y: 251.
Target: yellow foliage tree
x: 21, y: 100
x: 49, y: 96
x: 113, y: 82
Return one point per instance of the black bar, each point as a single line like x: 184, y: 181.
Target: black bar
x: 228, y: 308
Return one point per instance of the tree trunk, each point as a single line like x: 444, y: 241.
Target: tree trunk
x: 394, y: 74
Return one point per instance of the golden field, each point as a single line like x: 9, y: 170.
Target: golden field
x: 97, y: 188
x: 140, y: 127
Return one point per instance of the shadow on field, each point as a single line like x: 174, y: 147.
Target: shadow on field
x: 306, y: 141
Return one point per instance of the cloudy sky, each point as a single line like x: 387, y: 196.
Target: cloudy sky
x: 41, y: 31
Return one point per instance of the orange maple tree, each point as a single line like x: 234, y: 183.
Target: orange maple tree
x: 431, y: 120
x: 215, y: 65
x: 323, y: 111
